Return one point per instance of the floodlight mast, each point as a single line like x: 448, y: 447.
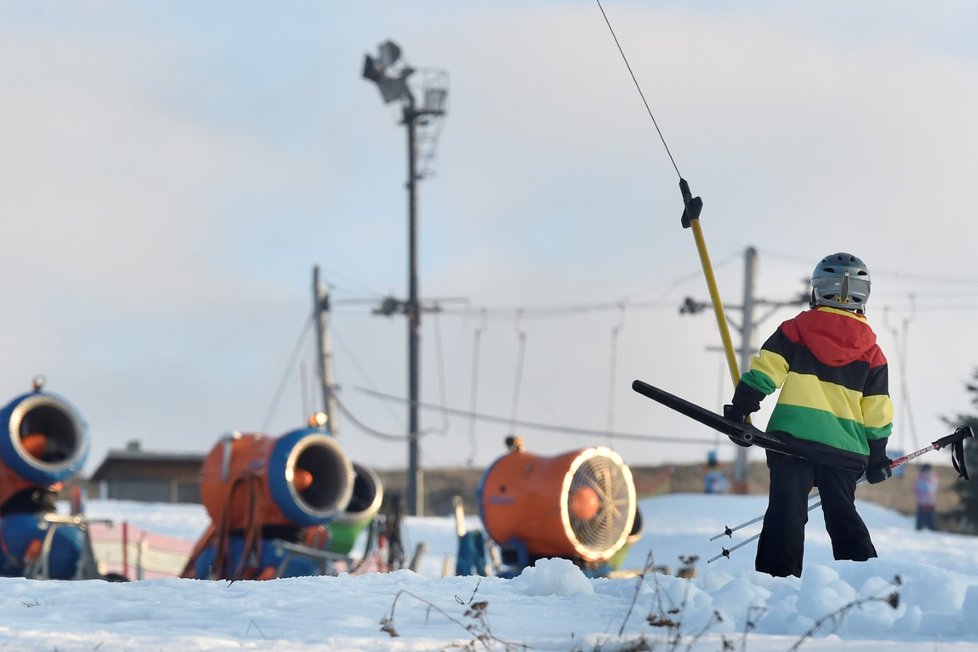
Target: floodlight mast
x: 391, y: 80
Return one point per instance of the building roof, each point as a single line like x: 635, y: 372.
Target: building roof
x: 115, y: 459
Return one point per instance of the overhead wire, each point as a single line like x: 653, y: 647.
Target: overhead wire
x: 919, y: 278
x: 504, y: 352
x: 521, y: 350
x: 373, y: 432
x: 613, y: 372
x: 304, y: 391
x: 474, y: 389
x: 900, y: 336
x: 335, y: 274
x: 440, y: 357
x: 563, y: 310
x: 359, y: 367
x: 300, y: 341
x: 535, y: 425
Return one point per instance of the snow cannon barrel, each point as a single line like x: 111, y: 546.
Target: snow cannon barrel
x: 578, y: 505
x: 368, y: 494
x: 301, y: 478
x: 43, y: 441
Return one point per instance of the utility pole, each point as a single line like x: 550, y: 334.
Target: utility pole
x: 390, y: 72
x: 746, y: 350
x: 415, y: 473
x: 746, y: 329
x: 320, y: 296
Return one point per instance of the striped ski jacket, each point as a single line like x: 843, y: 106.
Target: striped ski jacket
x: 833, y: 378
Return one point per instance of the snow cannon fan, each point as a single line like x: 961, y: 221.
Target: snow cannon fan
x: 368, y: 494
x: 301, y: 478
x: 579, y: 505
x: 43, y: 441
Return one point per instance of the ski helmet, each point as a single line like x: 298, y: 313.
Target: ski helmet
x: 841, y: 281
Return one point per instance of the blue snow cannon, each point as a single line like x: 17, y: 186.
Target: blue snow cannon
x: 43, y: 442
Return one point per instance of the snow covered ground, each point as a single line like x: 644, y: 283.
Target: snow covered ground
x: 549, y: 607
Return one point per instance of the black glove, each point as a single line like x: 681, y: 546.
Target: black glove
x: 735, y: 413
x: 875, y: 474
x: 878, y: 468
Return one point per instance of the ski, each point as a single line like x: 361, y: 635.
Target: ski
x: 741, y: 433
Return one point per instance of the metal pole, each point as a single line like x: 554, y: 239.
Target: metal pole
x: 415, y: 479
x: 746, y: 351
x: 325, y: 358
x: 711, y: 285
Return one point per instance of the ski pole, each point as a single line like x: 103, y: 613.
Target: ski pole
x: 957, y: 436
x: 955, y: 439
x: 725, y: 552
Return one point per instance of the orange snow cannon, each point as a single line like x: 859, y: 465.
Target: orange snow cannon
x: 266, y: 497
x: 579, y: 505
x: 301, y: 478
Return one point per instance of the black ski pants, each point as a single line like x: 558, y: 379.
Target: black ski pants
x: 782, y: 543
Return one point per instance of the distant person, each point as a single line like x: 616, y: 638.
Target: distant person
x: 834, y: 407
x: 925, y: 489
x: 715, y: 479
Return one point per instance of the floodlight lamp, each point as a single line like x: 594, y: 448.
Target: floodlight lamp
x: 372, y: 69
x: 390, y: 52
x: 392, y: 89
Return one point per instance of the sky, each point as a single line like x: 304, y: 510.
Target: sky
x: 549, y: 606
x: 174, y: 172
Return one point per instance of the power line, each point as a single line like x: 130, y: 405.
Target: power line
x: 569, y: 430
x: 300, y: 341
x: 371, y: 431
x: 919, y: 278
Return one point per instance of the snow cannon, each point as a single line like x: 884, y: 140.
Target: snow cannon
x: 266, y: 496
x: 616, y: 561
x: 301, y: 478
x: 43, y: 441
x: 368, y: 494
x: 579, y: 505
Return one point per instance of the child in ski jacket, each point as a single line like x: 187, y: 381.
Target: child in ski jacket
x: 834, y: 413
x: 925, y: 489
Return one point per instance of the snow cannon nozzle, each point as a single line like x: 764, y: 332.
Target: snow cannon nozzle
x: 43, y: 441
x: 691, y: 205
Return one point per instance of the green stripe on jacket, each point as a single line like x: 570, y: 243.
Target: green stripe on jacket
x: 823, y: 427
